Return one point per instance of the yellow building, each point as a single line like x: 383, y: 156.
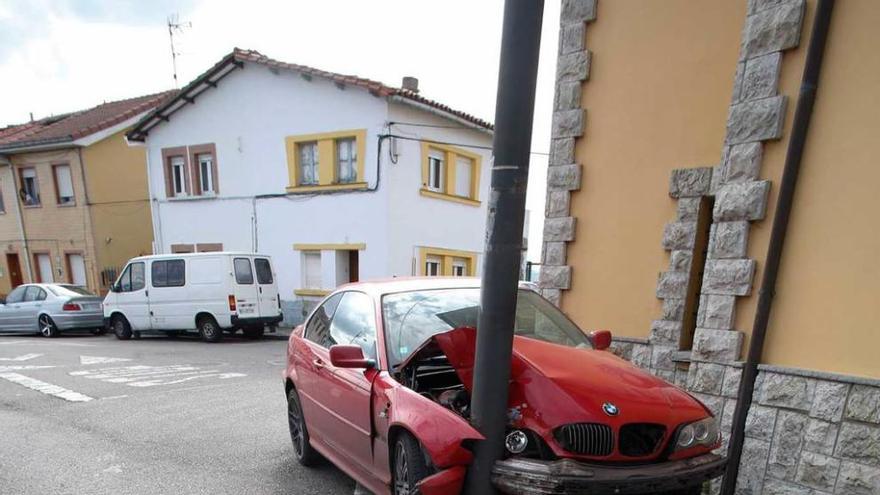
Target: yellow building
x: 672, y: 126
x: 73, y: 197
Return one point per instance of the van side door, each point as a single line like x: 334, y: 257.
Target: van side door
x: 170, y: 308
x: 266, y: 287
x: 245, y: 286
x: 132, y: 296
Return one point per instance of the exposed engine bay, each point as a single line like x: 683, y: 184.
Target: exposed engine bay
x: 430, y: 374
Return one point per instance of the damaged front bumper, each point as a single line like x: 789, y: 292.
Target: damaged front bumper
x: 569, y: 477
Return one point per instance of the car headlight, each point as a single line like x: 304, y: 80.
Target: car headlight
x: 699, y: 433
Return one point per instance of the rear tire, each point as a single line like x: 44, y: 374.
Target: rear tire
x: 299, y: 432
x: 408, y: 465
x: 47, y: 327
x: 253, y: 332
x: 121, y: 328
x: 209, y: 330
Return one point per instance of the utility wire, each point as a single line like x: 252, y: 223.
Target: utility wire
x: 462, y: 145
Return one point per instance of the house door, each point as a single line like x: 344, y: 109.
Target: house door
x: 76, y: 269
x: 44, y: 268
x: 14, y: 266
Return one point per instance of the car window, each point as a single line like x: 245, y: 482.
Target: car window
x: 264, y: 271
x: 17, y: 295
x: 318, y: 327
x: 168, y: 273
x: 69, y: 290
x: 354, y: 323
x: 125, y: 280
x: 34, y: 293
x: 138, y: 278
x: 243, y: 273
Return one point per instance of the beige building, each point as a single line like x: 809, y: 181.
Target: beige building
x: 73, y: 197
x: 672, y: 125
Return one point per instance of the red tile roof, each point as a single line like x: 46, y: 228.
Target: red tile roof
x: 238, y: 57
x: 75, y: 125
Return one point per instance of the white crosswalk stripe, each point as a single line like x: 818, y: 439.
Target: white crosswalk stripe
x: 45, y: 388
x: 150, y: 376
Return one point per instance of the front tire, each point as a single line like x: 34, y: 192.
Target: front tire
x: 121, y: 328
x: 299, y: 433
x: 409, y: 465
x: 209, y: 330
x: 48, y: 328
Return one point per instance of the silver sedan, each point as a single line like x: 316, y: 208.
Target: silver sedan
x: 51, y: 309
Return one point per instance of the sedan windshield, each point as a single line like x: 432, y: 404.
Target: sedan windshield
x: 413, y: 317
x: 67, y: 290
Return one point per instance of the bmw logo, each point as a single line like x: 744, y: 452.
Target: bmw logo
x: 610, y: 409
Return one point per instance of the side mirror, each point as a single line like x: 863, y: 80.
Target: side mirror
x: 349, y: 356
x: 601, y: 339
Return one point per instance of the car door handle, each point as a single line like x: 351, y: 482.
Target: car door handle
x: 318, y: 363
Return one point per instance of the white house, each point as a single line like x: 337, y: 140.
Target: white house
x: 338, y: 178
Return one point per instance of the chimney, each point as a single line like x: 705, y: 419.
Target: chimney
x: 410, y: 84
x: 32, y: 116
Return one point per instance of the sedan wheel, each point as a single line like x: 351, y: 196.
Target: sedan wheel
x: 410, y: 466
x: 299, y: 433
x: 47, y: 326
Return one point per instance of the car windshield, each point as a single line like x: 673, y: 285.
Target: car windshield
x: 67, y: 290
x: 413, y: 317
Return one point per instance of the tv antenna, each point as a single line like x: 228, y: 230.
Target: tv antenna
x: 175, y: 26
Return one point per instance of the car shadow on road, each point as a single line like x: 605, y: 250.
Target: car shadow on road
x: 324, y: 478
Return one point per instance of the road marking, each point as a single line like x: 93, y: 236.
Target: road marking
x: 100, y: 360
x: 45, y: 388
x: 151, y: 376
x: 15, y: 342
x: 24, y: 357
x: 4, y: 369
x: 114, y: 397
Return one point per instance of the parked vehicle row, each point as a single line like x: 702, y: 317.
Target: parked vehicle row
x: 209, y: 293
x: 379, y: 381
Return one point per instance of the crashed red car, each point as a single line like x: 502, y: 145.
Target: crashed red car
x: 378, y: 381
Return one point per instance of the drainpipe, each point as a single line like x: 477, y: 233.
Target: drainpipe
x: 20, y: 217
x: 515, y: 108
x: 800, y: 128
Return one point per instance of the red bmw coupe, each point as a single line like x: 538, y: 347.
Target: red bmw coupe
x: 378, y: 381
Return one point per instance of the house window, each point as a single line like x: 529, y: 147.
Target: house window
x: 447, y: 262
x: 182, y: 248
x: 206, y: 173
x: 178, y: 176
x: 346, y: 161
x: 450, y: 173
x: 63, y: 185
x: 436, y: 171
x: 308, y: 163
x: 333, y: 160
x: 44, y: 268
x: 2, y: 203
x: 432, y: 266
x: 311, y: 269
x: 30, y: 187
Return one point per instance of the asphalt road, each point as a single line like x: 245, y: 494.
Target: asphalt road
x: 94, y: 415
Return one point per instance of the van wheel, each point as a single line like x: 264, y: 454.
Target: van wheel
x: 47, y: 326
x: 209, y: 330
x: 253, y: 332
x: 121, y: 327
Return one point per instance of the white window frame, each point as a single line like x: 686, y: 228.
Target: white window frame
x: 178, y: 162
x: 307, y: 281
x: 350, y: 162
x: 313, y: 164
x: 435, y: 264
x: 30, y: 192
x: 60, y: 185
x: 206, y: 173
x: 459, y: 267
x: 436, y: 172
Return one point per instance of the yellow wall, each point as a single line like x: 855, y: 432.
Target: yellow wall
x: 117, y: 183
x: 827, y: 310
x: 657, y: 99
x: 10, y: 238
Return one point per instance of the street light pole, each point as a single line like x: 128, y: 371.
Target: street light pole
x: 515, y: 105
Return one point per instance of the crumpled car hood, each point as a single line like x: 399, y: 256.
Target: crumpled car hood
x: 564, y: 384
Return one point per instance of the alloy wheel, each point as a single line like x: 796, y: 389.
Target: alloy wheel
x: 47, y: 327
x: 401, y: 471
x: 294, y: 418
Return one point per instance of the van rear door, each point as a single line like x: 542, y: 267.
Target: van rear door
x: 246, y: 294
x: 268, y: 290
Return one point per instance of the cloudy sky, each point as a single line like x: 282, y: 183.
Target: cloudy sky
x: 63, y: 55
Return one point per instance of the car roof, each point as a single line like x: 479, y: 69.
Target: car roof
x: 381, y: 287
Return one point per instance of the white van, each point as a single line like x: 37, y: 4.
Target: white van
x: 209, y: 292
